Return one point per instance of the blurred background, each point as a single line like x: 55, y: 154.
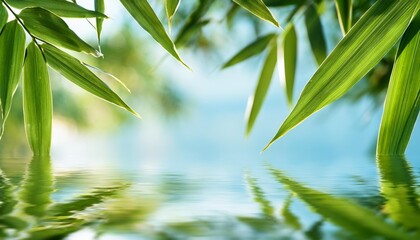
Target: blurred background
x: 188, y: 157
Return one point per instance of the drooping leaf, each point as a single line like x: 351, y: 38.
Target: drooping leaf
x: 52, y: 29
x: 344, y: 13
x: 37, y: 101
x: 60, y: 8
x: 259, y: 9
x: 12, y: 51
x: 171, y: 6
x: 402, y: 104
x: 342, y: 212
x: 398, y: 189
x: 99, y: 7
x: 194, y: 23
x: 3, y: 16
x: 288, y: 60
x: 143, y: 13
x: 315, y: 34
x: 256, y: 101
x: 250, y: 50
x: 79, y: 74
x: 363, y: 47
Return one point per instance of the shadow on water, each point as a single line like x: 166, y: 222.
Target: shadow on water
x: 30, y: 209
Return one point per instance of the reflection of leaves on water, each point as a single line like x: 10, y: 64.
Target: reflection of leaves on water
x: 342, y: 212
x: 45, y: 219
x: 259, y: 197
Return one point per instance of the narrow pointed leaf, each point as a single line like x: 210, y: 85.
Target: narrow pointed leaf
x: 342, y: 212
x: 171, y: 6
x: 344, y: 13
x: 61, y: 8
x: 250, y: 50
x: 75, y: 71
x: 52, y: 29
x: 99, y: 7
x: 259, y: 9
x: 256, y: 101
x: 3, y: 16
x: 37, y: 101
x: 315, y: 34
x: 194, y: 23
x: 143, y: 13
x: 12, y: 52
x: 402, y: 102
x: 289, y: 59
x: 360, y: 50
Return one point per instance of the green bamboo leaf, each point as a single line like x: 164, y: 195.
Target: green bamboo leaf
x: 12, y: 52
x: 315, y: 34
x: 194, y: 23
x: 289, y: 59
x: 344, y: 13
x: 143, y: 13
x: 259, y: 9
x: 256, y: 101
x: 250, y: 50
x: 363, y: 47
x: 171, y: 6
x: 99, y: 7
x: 402, y: 104
x: 52, y: 29
x: 37, y: 101
x: 60, y: 8
x: 3, y: 16
x: 75, y: 71
x: 398, y: 189
x: 342, y: 212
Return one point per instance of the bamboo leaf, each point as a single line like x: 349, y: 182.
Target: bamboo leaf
x: 143, y: 13
x: 288, y: 60
x: 315, y: 34
x: 3, y: 16
x: 75, y: 71
x: 194, y: 23
x: 256, y: 101
x: 402, y: 104
x: 12, y: 51
x: 363, y: 47
x: 259, y: 9
x: 99, y: 7
x: 61, y: 8
x: 171, y: 6
x: 250, y: 50
x: 52, y: 29
x: 342, y: 212
x: 344, y: 13
x: 37, y: 101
